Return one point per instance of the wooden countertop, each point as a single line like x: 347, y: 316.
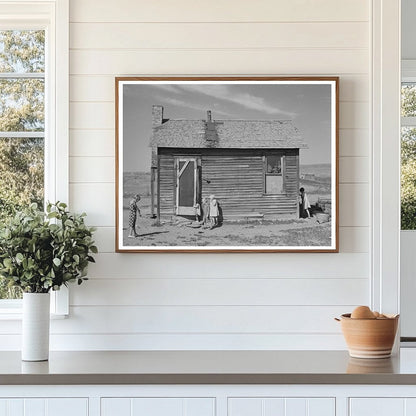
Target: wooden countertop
x: 207, y: 367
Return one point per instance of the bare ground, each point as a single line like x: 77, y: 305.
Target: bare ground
x: 298, y: 232
x: 301, y: 232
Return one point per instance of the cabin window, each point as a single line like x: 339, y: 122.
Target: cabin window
x: 273, y: 174
x: 274, y: 165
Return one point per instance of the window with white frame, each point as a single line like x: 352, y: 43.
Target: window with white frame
x: 408, y: 151
x: 33, y: 113
x: 22, y: 125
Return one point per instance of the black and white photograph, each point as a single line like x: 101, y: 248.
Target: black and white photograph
x: 227, y: 164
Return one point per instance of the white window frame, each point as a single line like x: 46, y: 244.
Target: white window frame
x: 53, y: 17
x: 385, y: 210
x: 408, y: 74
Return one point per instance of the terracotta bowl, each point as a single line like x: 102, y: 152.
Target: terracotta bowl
x: 369, y: 338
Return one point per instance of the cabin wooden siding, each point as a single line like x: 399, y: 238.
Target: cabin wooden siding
x: 236, y: 178
x: 291, y: 167
x: 166, y: 185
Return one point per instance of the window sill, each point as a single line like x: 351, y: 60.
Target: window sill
x: 12, y: 309
x: 13, y: 315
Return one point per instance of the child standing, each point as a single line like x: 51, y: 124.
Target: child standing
x: 213, y: 211
x: 304, y: 205
x: 133, y: 211
x: 205, y: 211
x: 197, y: 209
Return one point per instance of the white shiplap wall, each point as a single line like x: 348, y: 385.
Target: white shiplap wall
x: 218, y: 301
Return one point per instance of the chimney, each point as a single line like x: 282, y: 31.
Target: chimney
x: 157, y: 115
x: 209, y: 118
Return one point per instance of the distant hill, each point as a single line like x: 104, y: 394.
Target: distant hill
x: 136, y: 183
x: 321, y: 170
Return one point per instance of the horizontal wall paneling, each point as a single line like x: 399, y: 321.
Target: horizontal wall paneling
x: 230, y: 301
x: 218, y: 36
x: 218, y: 11
x: 221, y: 291
x: 299, y: 61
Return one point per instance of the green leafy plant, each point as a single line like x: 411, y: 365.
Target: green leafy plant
x: 43, y: 251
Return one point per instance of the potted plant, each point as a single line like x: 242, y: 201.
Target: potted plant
x: 40, y: 252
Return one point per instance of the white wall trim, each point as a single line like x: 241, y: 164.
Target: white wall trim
x: 60, y: 299
x: 385, y: 282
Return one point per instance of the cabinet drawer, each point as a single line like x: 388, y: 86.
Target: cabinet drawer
x: 376, y: 406
x: 44, y: 407
x: 158, y: 406
x: 280, y: 406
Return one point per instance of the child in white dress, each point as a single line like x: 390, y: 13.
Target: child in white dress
x: 197, y: 209
x: 205, y: 212
x: 213, y: 211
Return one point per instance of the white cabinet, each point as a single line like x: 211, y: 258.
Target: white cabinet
x: 382, y: 406
x: 44, y: 407
x: 208, y: 400
x: 160, y: 406
x: 270, y: 406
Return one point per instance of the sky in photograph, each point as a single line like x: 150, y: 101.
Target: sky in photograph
x: 307, y: 105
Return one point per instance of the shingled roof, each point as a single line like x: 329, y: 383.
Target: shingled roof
x: 226, y: 134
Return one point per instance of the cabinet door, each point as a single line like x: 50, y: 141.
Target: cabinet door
x: 160, y: 406
x: 376, y: 406
x: 271, y: 406
x: 44, y: 407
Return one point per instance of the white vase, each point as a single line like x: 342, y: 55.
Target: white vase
x: 35, y: 326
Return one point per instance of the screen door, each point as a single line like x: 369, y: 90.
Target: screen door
x: 186, y: 174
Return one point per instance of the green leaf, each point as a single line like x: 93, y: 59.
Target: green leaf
x: 36, y: 255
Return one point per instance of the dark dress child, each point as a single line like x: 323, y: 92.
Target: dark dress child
x: 304, y: 205
x: 133, y: 211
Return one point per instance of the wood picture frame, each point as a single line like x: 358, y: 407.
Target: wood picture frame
x: 227, y: 164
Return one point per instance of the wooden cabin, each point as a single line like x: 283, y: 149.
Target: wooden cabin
x: 251, y: 166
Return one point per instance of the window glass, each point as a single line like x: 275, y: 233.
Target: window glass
x: 22, y: 51
x: 408, y: 102
x: 408, y: 158
x: 22, y: 125
x: 21, y: 173
x: 274, y: 164
x: 273, y: 175
x: 22, y: 104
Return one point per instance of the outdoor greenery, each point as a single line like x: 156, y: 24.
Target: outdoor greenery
x: 21, y: 110
x: 408, y: 160
x: 40, y: 252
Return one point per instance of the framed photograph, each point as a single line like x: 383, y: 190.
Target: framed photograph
x: 227, y: 164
